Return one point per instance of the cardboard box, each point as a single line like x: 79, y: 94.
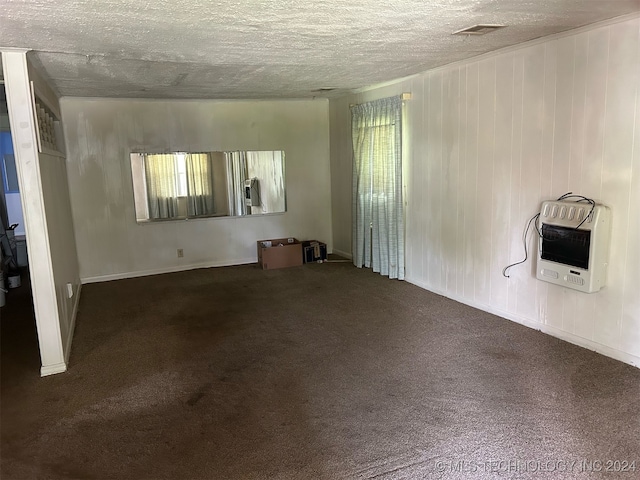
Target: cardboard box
x: 314, y: 251
x: 279, y: 253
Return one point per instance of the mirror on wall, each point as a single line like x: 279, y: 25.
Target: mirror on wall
x: 182, y: 185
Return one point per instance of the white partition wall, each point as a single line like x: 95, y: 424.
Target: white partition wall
x: 491, y: 138
x: 43, y: 182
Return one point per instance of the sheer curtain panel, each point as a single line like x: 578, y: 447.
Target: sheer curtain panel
x: 378, y: 214
x: 236, y: 175
x: 199, y: 184
x: 161, y: 176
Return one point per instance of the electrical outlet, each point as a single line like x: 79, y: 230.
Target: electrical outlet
x: 180, y: 253
x: 69, y: 290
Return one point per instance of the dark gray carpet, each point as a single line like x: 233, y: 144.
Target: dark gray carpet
x: 322, y: 371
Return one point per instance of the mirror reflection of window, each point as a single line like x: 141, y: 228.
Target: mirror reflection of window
x: 181, y: 163
x: 199, y: 180
x: 180, y: 185
x: 161, y: 175
x: 236, y: 163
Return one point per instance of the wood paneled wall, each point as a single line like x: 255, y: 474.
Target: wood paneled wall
x: 487, y: 141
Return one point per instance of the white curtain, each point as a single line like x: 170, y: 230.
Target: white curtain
x: 236, y: 175
x: 199, y: 184
x: 378, y: 215
x: 161, y: 176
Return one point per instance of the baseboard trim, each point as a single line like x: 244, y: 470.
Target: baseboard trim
x: 47, y: 370
x: 342, y: 254
x: 159, y: 271
x: 549, y: 330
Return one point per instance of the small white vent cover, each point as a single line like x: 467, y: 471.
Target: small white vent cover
x: 480, y: 29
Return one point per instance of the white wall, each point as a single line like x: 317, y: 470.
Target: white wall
x: 64, y: 256
x: 59, y: 221
x: 100, y: 135
x: 491, y: 138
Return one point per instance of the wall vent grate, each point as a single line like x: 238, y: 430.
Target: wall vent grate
x: 480, y: 29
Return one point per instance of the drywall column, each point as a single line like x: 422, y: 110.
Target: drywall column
x: 23, y: 127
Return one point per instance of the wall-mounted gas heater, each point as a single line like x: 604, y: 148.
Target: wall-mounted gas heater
x: 574, y: 244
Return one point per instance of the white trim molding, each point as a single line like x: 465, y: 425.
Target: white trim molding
x: 21, y: 116
x: 159, y: 271
x: 53, y: 369
x: 342, y: 254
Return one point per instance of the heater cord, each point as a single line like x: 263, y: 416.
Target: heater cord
x: 581, y: 199
x: 524, y: 242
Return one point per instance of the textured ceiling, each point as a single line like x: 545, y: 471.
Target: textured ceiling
x: 267, y: 48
